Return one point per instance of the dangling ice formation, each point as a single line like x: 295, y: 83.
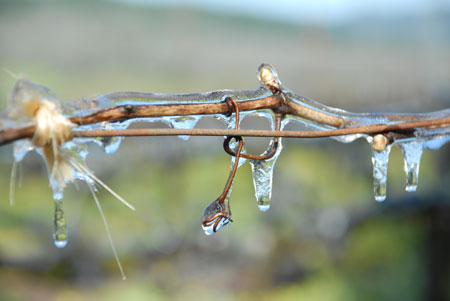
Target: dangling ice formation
x: 412, y: 151
x: 380, y: 165
x: 59, y: 226
x: 56, y: 124
x: 31, y: 103
x: 185, y: 122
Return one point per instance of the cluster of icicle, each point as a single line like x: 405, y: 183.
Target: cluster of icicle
x: 35, y: 104
x: 53, y: 140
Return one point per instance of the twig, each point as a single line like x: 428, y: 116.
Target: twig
x: 366, y: 129
x: 280, y: 100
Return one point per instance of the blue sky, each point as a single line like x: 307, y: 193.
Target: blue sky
x: 316, y: 11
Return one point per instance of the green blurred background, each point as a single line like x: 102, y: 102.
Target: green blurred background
x: 325, y: 238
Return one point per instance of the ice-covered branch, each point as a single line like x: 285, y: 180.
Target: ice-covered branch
x: 120, y: 107
x: 37, y: 120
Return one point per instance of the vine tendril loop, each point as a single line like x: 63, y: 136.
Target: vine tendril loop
x: 218, y: 213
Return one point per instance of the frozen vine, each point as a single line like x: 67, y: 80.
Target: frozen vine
x: 36, y: 120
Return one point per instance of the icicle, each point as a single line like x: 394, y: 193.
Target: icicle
x: 412, y: 151
x: 110, y: 144
x: 12, y: 182
x: 262, y: 171
x: 59, y: 225
x: 262, y: 180
x: 184, y: 122
x: 380, y: 165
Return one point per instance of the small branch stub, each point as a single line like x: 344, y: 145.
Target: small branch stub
x: 268, y: 77
x: 379, y: 142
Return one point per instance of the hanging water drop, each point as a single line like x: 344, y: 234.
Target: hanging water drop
x: 111, y: 144
x: 59, y: 225
x: 412, y: 151
x: 380, y: 165
x: 184, y: 122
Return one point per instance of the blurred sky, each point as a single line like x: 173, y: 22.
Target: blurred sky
x: 320, y: 12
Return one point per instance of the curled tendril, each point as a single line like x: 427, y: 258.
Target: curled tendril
x: 215, y: 216
x: 218, y: 213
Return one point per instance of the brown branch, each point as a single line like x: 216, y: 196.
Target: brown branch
x: 125, y: 112
x: 281, y: 102
x: 366, y: 129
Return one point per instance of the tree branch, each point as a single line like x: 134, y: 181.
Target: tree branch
x: 366, y: 129
x: 271, y: 95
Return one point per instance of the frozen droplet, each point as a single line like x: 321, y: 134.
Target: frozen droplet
x: 412, y: 151
x: 184, y: 122
x: 111, y: 144
x: 262, y: 171
x: 59, y: 226
x: 380, y: 166
x: 216, y: 215
x: 21, y: 148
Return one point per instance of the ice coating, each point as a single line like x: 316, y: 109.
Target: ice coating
x: 137, y: 98
x: 412, y: 151
x: 23, y: 101
x: 380, y: 161
x: 26, y: 95
x: 433, y: 139
x: 216, y: 215
x: 59, y: 226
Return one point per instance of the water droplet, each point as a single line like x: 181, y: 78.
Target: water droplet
x: 59, y: 226
x: 380, y: 165
x: 262, y: 171
x: 184, y: 122
x: 412, y: 151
